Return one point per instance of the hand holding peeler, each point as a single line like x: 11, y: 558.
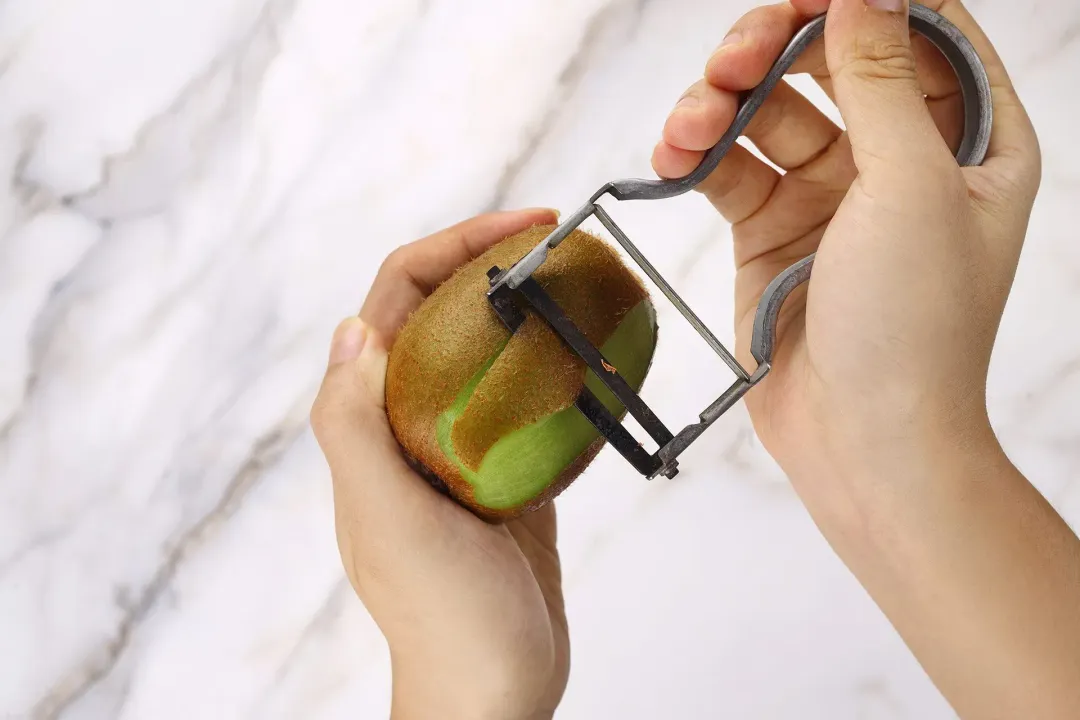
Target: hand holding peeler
x: 514, y: 288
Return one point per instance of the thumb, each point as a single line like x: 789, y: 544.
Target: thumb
x: 372, y: 481
x: 383, y: 511
x: 870, y: 58
x: 348, y: 416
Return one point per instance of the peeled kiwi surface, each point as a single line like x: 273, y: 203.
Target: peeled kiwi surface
x: 488, y: 416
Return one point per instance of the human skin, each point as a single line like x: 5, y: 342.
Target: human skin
x: 472, y: 612
x: 875, y: 407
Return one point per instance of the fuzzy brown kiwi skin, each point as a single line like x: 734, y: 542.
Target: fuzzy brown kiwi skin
x: 463, y: 490
x: 409, y: 360
x: 459, y: 490
x: 572, y: 471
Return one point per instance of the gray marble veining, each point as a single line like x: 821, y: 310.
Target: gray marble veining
x: 198, y: 191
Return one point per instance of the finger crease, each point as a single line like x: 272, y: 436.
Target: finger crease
x: 779, y: 249
x: 945, y: 96
x: 815, y: 156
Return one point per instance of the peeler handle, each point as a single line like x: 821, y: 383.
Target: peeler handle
x: 946, y: 37
x: 978, y: 121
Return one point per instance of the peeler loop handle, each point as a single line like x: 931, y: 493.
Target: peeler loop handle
x: 641, y: 189
x: 957, y: 49
x: 978, y: 121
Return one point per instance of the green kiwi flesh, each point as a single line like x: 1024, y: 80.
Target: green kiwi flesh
x: 489, y: 416
x: 524, y: 463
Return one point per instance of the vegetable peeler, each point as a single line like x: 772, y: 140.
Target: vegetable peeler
x: 512, y: 290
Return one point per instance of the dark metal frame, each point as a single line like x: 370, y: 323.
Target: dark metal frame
x: 510, y: 304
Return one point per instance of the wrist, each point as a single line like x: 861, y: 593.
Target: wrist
x: 969, y: 563
x: 879, y: 487
x: 453, y: 693
x: 416, y: 702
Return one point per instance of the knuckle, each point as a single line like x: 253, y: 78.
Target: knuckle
x: 347, y: 403
x: 1002, y: 189
x: 694, y: 91
x: 1032, y: 173
x: 398, y: 259
x: 760, y: 19
x: 401, y: 261
x: 939, y: 181
x: 948, y: 196
x: 721, y: 184
x: 1030, y: 163
x: 880, y: 58
x: 321, y: 417
x: 767, y: 15
x: 360, y: 558
x: 947, y: 175
x: 754, y: 18
x: 954, y: 186
x: 769, y: 119
x: 936, y: 186
x: 328, y: 409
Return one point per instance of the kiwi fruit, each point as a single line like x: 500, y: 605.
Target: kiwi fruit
x: 487, y: 416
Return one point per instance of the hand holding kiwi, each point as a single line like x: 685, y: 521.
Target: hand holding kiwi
x: 488, y: 416
x: 472, y: 611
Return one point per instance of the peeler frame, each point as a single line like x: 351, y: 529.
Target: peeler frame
x: 509, y: 296
x: 513, y: 290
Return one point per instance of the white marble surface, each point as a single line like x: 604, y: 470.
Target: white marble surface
x: 199, y: 190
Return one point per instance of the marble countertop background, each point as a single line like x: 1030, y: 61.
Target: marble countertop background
x: 199, y: 190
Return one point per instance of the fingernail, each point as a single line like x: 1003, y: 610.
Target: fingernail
x: 688, y: 101
x: 887, y: 5
x: 732, y: 40
x: 349, y: 339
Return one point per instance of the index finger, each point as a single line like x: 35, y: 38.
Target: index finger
x: 413, y: 271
